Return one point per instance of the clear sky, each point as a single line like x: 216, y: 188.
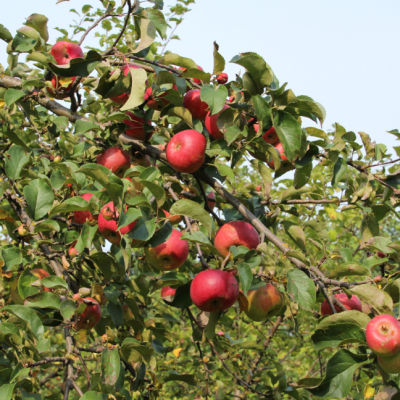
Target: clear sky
x: 344, y: 54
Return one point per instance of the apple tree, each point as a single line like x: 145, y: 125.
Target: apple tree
x: 169, y: 232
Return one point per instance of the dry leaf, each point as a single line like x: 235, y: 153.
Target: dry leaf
x: 64, y: 261
x: 243, y: 302
x: 177, y: 352
x: 202, y: 318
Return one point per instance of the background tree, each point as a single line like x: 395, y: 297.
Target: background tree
x: 147, y: 249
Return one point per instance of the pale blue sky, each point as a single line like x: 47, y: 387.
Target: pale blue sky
x: 344, y: 54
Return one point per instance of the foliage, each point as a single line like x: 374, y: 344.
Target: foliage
x: 322, y: 215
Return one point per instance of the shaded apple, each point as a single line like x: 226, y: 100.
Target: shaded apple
x: 211, y: 124
x: 214, y: 290
x: 195, y: 105
x: 236, y: 233
x: 265, y: 302
x: 353, y: 303
x: 72, y: 252
x: 383, y: 335
x: 64, y: 51
x: 109, y: 228
x: 80, y: 217
x: 116, y: 160
x: 270, y: 136
x: 186, y: 151
x: 222, y: 78
x: 173, y: 219
x: 90, y: 316
x: 167, y: 292
x: 391, y: 365
x: 211, y: 203
x: 169, y: 255
x: 157, y: 102
x: 137, y: 127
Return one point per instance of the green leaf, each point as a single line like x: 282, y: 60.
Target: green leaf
x: 182, y: 297
x: 25, y: 281
x: 157, y: 17
x: 175, y: 59
x: 187, y: 378
x: 376, y: 298
x: 108, y: 266
x: 18, y: 159
x: 143, y: 231
x: 339, y: 170
x: 29, y: 316
x: 78, y: 66
x: 92, y: 395
x: 82, y: 127
x: 157, y: 191
x: 13, y: 95
x: 263, y: 112
x: 347, y: 317
x: 133, y: 351
x: 110, y: 366
x: 161, y: 235
x: 138, y: 88
x: 67, y: 308
x: 196, y: 73
x: 214, y: 96
x: 11, y: 256
x: 289, y: 133
x: 182, y: 113
x: 30, y: 396
x: 350, y: 269
x: 43, y: 300
x: 339, y: 375
x: 6, y: 391
x: 15, y: 136
x: 39, y: 22
x: 132, y: 214
x: 72, y: 204
x: 193, y: 210
x: 46, y: 226
x: 219, y: 62
x: 86, y: 237
x: 54, y: 282
x: 5, y: 34
x: 337, y: 335
x: 295, y: 233
x: 39, y: 197
x: 147, y: 34
x: 201, y: 238
x: 245, y: 276
x: 257, y: 67
x: 302, y: 288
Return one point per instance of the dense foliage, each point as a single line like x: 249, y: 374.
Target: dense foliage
x: 85, y: 312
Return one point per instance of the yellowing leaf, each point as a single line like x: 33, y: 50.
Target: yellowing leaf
x: 5, y: 215
x: 177, y: 352
x: 334, y: 255
x: 331, y: 212
x: 2, y: 102
x: 369, y: 391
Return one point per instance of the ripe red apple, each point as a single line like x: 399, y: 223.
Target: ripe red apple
x: 265, y: 302
x: 170, y: 254
x: 391, y: 365
x: 116, y: 160
x: 107, y: 213
x: 211, y: 203
x: 167, y: 291
x: 64, y: 51
x: 377, y: 279
x: 222, y: 78
x: 137, y: 127
x: 353, y: 303
x: 22, y: 231
x: 211, y: 124
x: 193, y: 103
x: 270, y: 136
x: 90, y: 316
x: 80, y: 217
x: 278, y: 146
x: 174, y: 219
x: 157, y: 103
x: 380, y: 254
x: 127, y: 313
x: 76, y: 296
x: 236, y: 233
x: 214, y: 290
x: 41, y: 273
x: 186, y: 151
x: 109, y: 228
x: 383, y: 335
x: 258, y: 188
x: 72, y: 252
x: 123, y: 98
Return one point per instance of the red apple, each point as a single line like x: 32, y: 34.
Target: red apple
x: 236, y: 233
x: 157, y: 102
x: 107, y: 213
x: 383, y: 335
x: 80, y: 217
x: 90, y: 316
x: 214, y: 290
x: 76, y: 296
x: 174, y: 219
x: 211, y: 203
x: 22, y: 231
x: 186, y: 151
x: 264, y: 303
x: 170, y: 254
x: 64, y: 51
x: 391, y: 365
x: 109, y: 228
x: 167, y: 291
x: 41, y: 273
x: 211, y: 124
x: 377, y: 279
x: 123, y: 98
x: 116, y: 160
x: 137, y: 127
x: 258, y: 188
x: 222, y: 78
x: 353, y: 303
x: 380, y: 254
x: 270, y: 136
x: 278, y: 146
x: 72, y: 252
x: 193, y: 103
